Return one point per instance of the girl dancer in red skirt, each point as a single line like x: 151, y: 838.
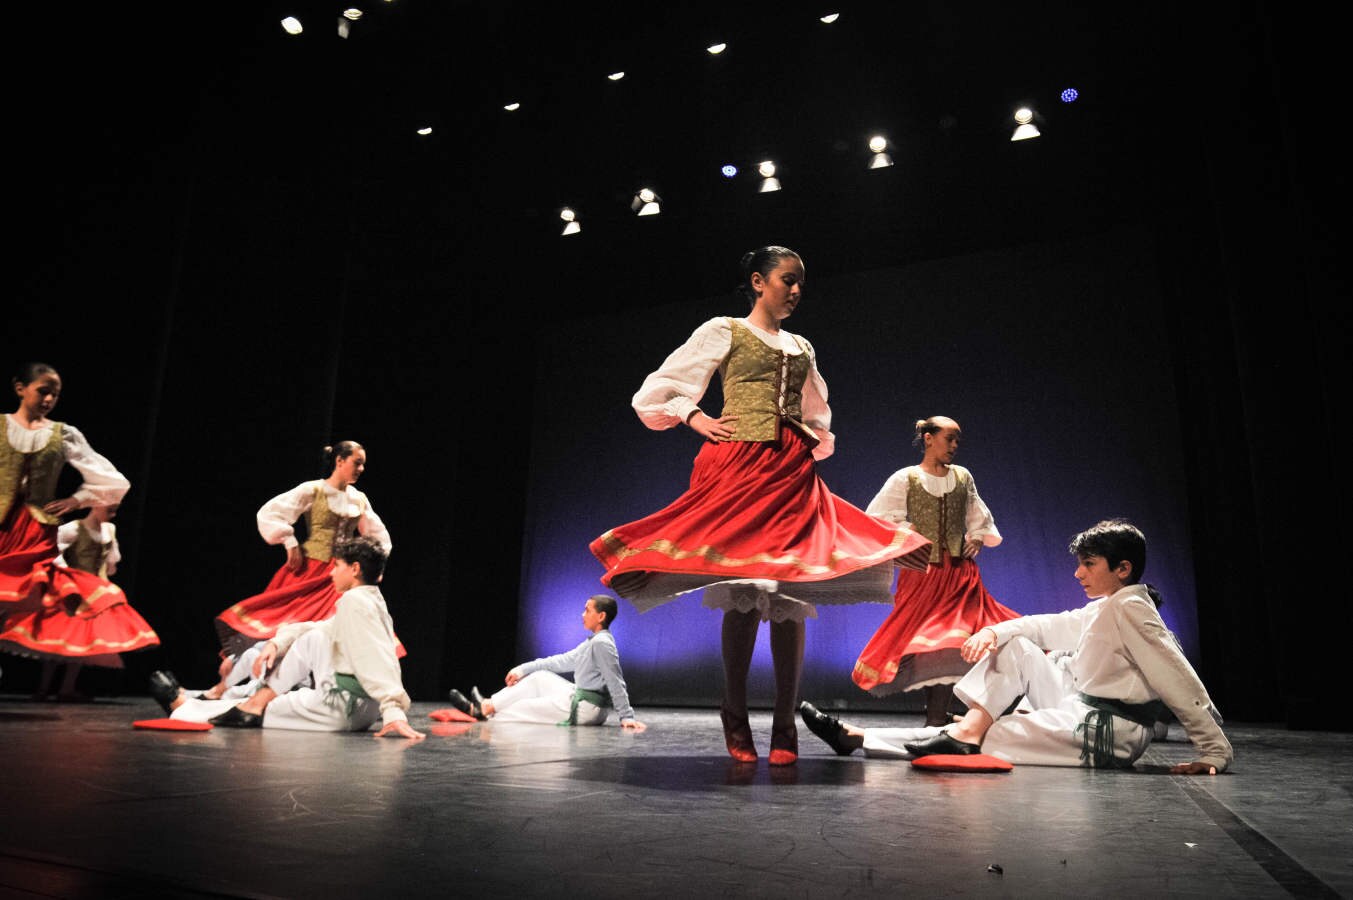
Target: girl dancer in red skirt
x: 758, y: 529
x: 937, y: 609
x: 301, y: 591
x: 52, y: 611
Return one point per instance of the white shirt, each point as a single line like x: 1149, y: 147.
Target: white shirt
x: 277, y: 518
x: 103, y: 484
x: 669, y: 395
x: 1122, y: 650
x: 363, y: 638
x: 891, y: 502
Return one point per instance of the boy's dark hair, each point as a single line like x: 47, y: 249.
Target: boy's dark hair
x: 1115, y: 540
x: 603, y: 603
x: 1154, y: 594
x: 365, y: 552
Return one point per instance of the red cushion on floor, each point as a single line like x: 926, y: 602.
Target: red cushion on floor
x: 172, y: 725
x: 450, y: 729
x: 954, y: 762
x: 451, y: 715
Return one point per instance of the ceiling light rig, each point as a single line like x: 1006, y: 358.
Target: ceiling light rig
x: 615, y: 76
x: 1024, y: 125
x: 425, y: 130
x: 570, y: 220
x: 347, y: 20
x: 878, y: 145
x: 646, y: 202
x: 829, y: 18
x: 766, y: 169
x: 512, y: 107
x: 292, y: 25
x: 716, y: 49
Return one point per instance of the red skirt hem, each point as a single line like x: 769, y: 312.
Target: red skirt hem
x: 934, y: 613
x: 755, y: 510
x: 306, y: 595
x: 91, y: 620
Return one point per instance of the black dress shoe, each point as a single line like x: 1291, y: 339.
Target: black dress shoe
x: 164, y: 687
x: 478, y: 700
x: 942, y: 745
x: 237, y: 718
x: 829, y: 729
x: 459, y: 701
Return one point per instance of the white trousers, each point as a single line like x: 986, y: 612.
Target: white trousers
x: 318, y: 708
x: 1044, y: 730
x: 543, y: 698
x: 194, y: 709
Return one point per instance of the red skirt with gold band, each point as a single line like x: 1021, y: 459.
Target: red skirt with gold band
x: 304, y: 595
x: 934, y: 612
x: 59, y: 612
x: 754, y: 510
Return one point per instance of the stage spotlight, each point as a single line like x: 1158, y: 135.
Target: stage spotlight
x: 512, y: 107
x: 1025, y: 127
x: 880, y: 160
x: 616, y: 76
x: 646, y: 203
x: 352, y: 13
x: 292, y: 25
x: 729, y: 171
x: 570, y: 218
x: 716, y: 49
x: 425, y: 130
x: 829, y: 18
x: 1069, y: 95
x: 768, y: 180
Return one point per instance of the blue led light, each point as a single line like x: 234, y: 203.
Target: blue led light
x: 1069, y: 95
x: 729, y: 171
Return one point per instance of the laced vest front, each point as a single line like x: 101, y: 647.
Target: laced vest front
x: 763, y: 387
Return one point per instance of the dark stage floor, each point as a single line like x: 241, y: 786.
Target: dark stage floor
x: 93, y: 808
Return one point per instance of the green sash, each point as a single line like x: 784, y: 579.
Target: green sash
x: 600, y: 699
x: 348, y: 684
x: 1097, y: 729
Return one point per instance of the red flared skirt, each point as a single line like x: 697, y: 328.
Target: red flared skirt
x: 754, y: 510
x: 25, y: 546
x: 934, y: 612
x: 100, y: 628
x: 58, y: 612
x: 305, y: 595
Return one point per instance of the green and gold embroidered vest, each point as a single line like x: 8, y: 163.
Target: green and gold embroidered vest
x: 87, y: 554
x: 325, y: 528
x: 763, y: 387
x: 30, y: 478
x: 942, y: 519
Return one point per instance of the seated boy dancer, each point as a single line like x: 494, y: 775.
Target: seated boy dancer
x: 1093, y: 704
x: 350, y: 657
x: 535, y: 693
